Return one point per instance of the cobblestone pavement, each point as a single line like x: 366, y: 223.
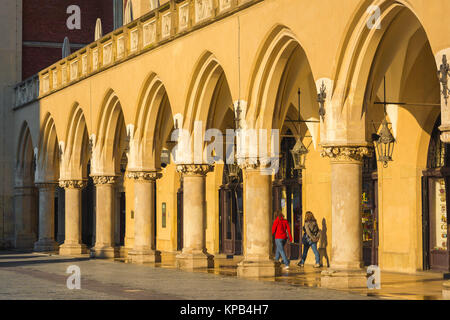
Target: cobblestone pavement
x: 39, y: 276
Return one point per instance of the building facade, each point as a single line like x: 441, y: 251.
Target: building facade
x: 101, y: 123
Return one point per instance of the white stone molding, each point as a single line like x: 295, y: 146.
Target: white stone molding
x: 46, y: 185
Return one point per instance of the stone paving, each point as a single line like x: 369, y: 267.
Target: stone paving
x: 41, y: 276
x: 38, y: 276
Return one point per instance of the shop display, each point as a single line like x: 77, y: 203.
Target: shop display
x: 438, y: 215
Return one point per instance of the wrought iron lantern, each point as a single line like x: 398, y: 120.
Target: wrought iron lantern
x: 299, y: 152
x: 384, y: 144
x: 233, y: 171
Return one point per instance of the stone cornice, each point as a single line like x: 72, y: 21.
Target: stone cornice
x: 194, y: 169
x: 144, y: 175
x: 73, y: 184
x: 104, y: 179
x: 346, y: 153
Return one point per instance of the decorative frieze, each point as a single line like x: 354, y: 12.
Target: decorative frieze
x: 120, y: 47
x: 104, y: 179
x: 149, y: 33
x: 203, y: 9
x: 107, y: 53
x: 152, y: 29
x: 346, y: 153
x: 144, y: 175
x: 183, y: 17
x: 72, y: 184
x: 195, y: 169
x: 166, y: 25
x: 134, y: 40
x: 224, y: 5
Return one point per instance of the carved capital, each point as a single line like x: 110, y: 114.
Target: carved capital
x: 254, y: 163
x: 144, y: 175
x: 346, y: 153
x: 104, y: 179
x: 46, y: 186
x: 73, y: 184
x: 194, y: 169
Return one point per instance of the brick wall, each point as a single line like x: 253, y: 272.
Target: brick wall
x: 45, y: 21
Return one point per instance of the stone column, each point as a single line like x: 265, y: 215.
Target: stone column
x: 194, y: 253
x: 258, y: 259
x: 144, y: 249
x: 46, y: 242
x: 73, y: 213
x: 446, y: 290
x: 346, y: 267
x: 104, y: 222
x: 25, y: 210
x: 60, y: 237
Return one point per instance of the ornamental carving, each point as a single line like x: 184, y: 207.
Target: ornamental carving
x: 254, y: 163
x: 104, y: 179
x: 46, y: 186
x: 144, y: 175
x: 203, y: 9
x: 346, y: 153
x: 72, y: 184
x: 195, y: 169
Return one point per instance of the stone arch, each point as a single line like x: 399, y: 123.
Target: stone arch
x: 359, y: 72
x: 25, y: 161
x: 25, y: 205
x: 111, y: 139
x: 153, y: 124
x: 274, y: 82
x: 209, y: 99
x: 76, y: 153
x: 48, y: 152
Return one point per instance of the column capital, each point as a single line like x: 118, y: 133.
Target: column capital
x: 104, y: 179
x: 254, y: 163
x: 46, y: 185
x: 73, y: 184
x: 144, y: 175
x: 194, y: 169
x: 346, y: 153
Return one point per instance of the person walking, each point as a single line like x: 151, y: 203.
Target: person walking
x: 311, y: 235
x: 281, y: 230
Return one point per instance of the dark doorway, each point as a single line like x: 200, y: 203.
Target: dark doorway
x: 180, y: 216
x: 287, y: 196
x: 369, y: 215
x: 231, y: 212
x: 435, y: 196
x: 88, y: 211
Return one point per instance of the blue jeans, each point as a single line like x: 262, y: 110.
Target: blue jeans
x: 314, y: 249
x: 280, y: 251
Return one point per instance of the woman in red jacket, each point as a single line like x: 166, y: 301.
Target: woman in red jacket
x: 281, y: 230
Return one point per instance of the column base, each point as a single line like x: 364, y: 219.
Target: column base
x: 72, y: 249
x: 46, y: 246
x: 343, y: 279
x: 194, y: 260
x: 446, y: 290
x: 144, y: 256
x: 105, y: 252
x: 25, y: 241
x: 258, y: 268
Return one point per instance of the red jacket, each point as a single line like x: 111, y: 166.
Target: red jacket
x: 279, y: 228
